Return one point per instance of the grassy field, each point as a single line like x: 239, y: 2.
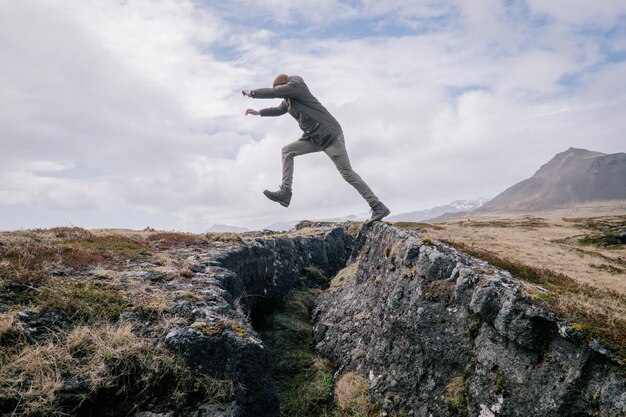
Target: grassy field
x: 579, y: 247
x: 81, y: 358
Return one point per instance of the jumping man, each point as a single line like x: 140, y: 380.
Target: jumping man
x: 322, y: 132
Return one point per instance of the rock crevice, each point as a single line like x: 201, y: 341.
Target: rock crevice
x: 237, y: 286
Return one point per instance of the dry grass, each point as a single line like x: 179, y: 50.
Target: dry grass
x: 186, y: 273
x: 12, y: 335
x: 353, y: 229
x: 168, y: 240
x: 345, y: 275
x: 107, y: 361
x: 456, y: 395
x: 441, y: 291
x: 29, y: 257
x: 416, y: 226
x: 89, y: 364
x: 78, y: 271
x: 549, y: 242
x: 351, y: 396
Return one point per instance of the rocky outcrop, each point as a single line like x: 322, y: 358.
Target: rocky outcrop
x: 439, y: 333
x: 234, y: 287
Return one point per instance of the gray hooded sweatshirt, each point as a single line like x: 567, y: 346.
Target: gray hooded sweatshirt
x: 317, y: 124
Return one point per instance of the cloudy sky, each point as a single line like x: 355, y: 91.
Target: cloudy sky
x: 128, y: 113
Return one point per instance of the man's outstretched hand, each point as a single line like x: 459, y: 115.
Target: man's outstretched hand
x: 253, y: 112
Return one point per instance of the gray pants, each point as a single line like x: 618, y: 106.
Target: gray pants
x: 336, y: 150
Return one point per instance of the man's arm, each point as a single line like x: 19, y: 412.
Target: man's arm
x: 289, y: 90
x: 275, y: 111
x: 270, y: 111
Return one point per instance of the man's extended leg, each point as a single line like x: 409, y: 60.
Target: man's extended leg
x: 299, y: 147
x: 336, y: 150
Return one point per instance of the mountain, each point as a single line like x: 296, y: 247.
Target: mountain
x: 454, y: 207
x: 457, y: 206
x: 221, y: 228
x: 281, y: 226
x: 571, y: 177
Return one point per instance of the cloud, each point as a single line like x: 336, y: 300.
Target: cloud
x: 580, y: 12
x: 135, y: 106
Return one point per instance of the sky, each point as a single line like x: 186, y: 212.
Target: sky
x: 129, y: 113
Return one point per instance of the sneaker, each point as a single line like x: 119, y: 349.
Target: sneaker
x: 379, y: 210
x: 282, y: 196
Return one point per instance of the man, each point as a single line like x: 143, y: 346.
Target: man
x: 321, y: 133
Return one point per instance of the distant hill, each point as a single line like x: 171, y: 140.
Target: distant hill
x: 280, y: 226
x: 288, y: 225
x: 427, y: 214
x: 221, y: 228
x: 571, y: 177
x: 413, y: 216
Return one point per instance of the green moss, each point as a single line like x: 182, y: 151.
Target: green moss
x: 474, y: 325
x: 474, y: 359
x: 546, y: 297
x: 304, y: 381
x: 604, y: 240
x: 548, y: 356
x: 314, y: 275
x: 417, y: 226
x: 82, y: 301
x: 408, y: 273
x: 499, y: 383
x: 111, y: 245
x: 456, y: 395
x: 308, y: 391
x: 208, y: 328
x: 594, y: 400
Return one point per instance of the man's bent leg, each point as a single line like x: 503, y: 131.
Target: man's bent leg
x: 299, y: 147
x: 336, y: 150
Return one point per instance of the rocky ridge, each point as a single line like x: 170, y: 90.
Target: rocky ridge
x: 439, y: 333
